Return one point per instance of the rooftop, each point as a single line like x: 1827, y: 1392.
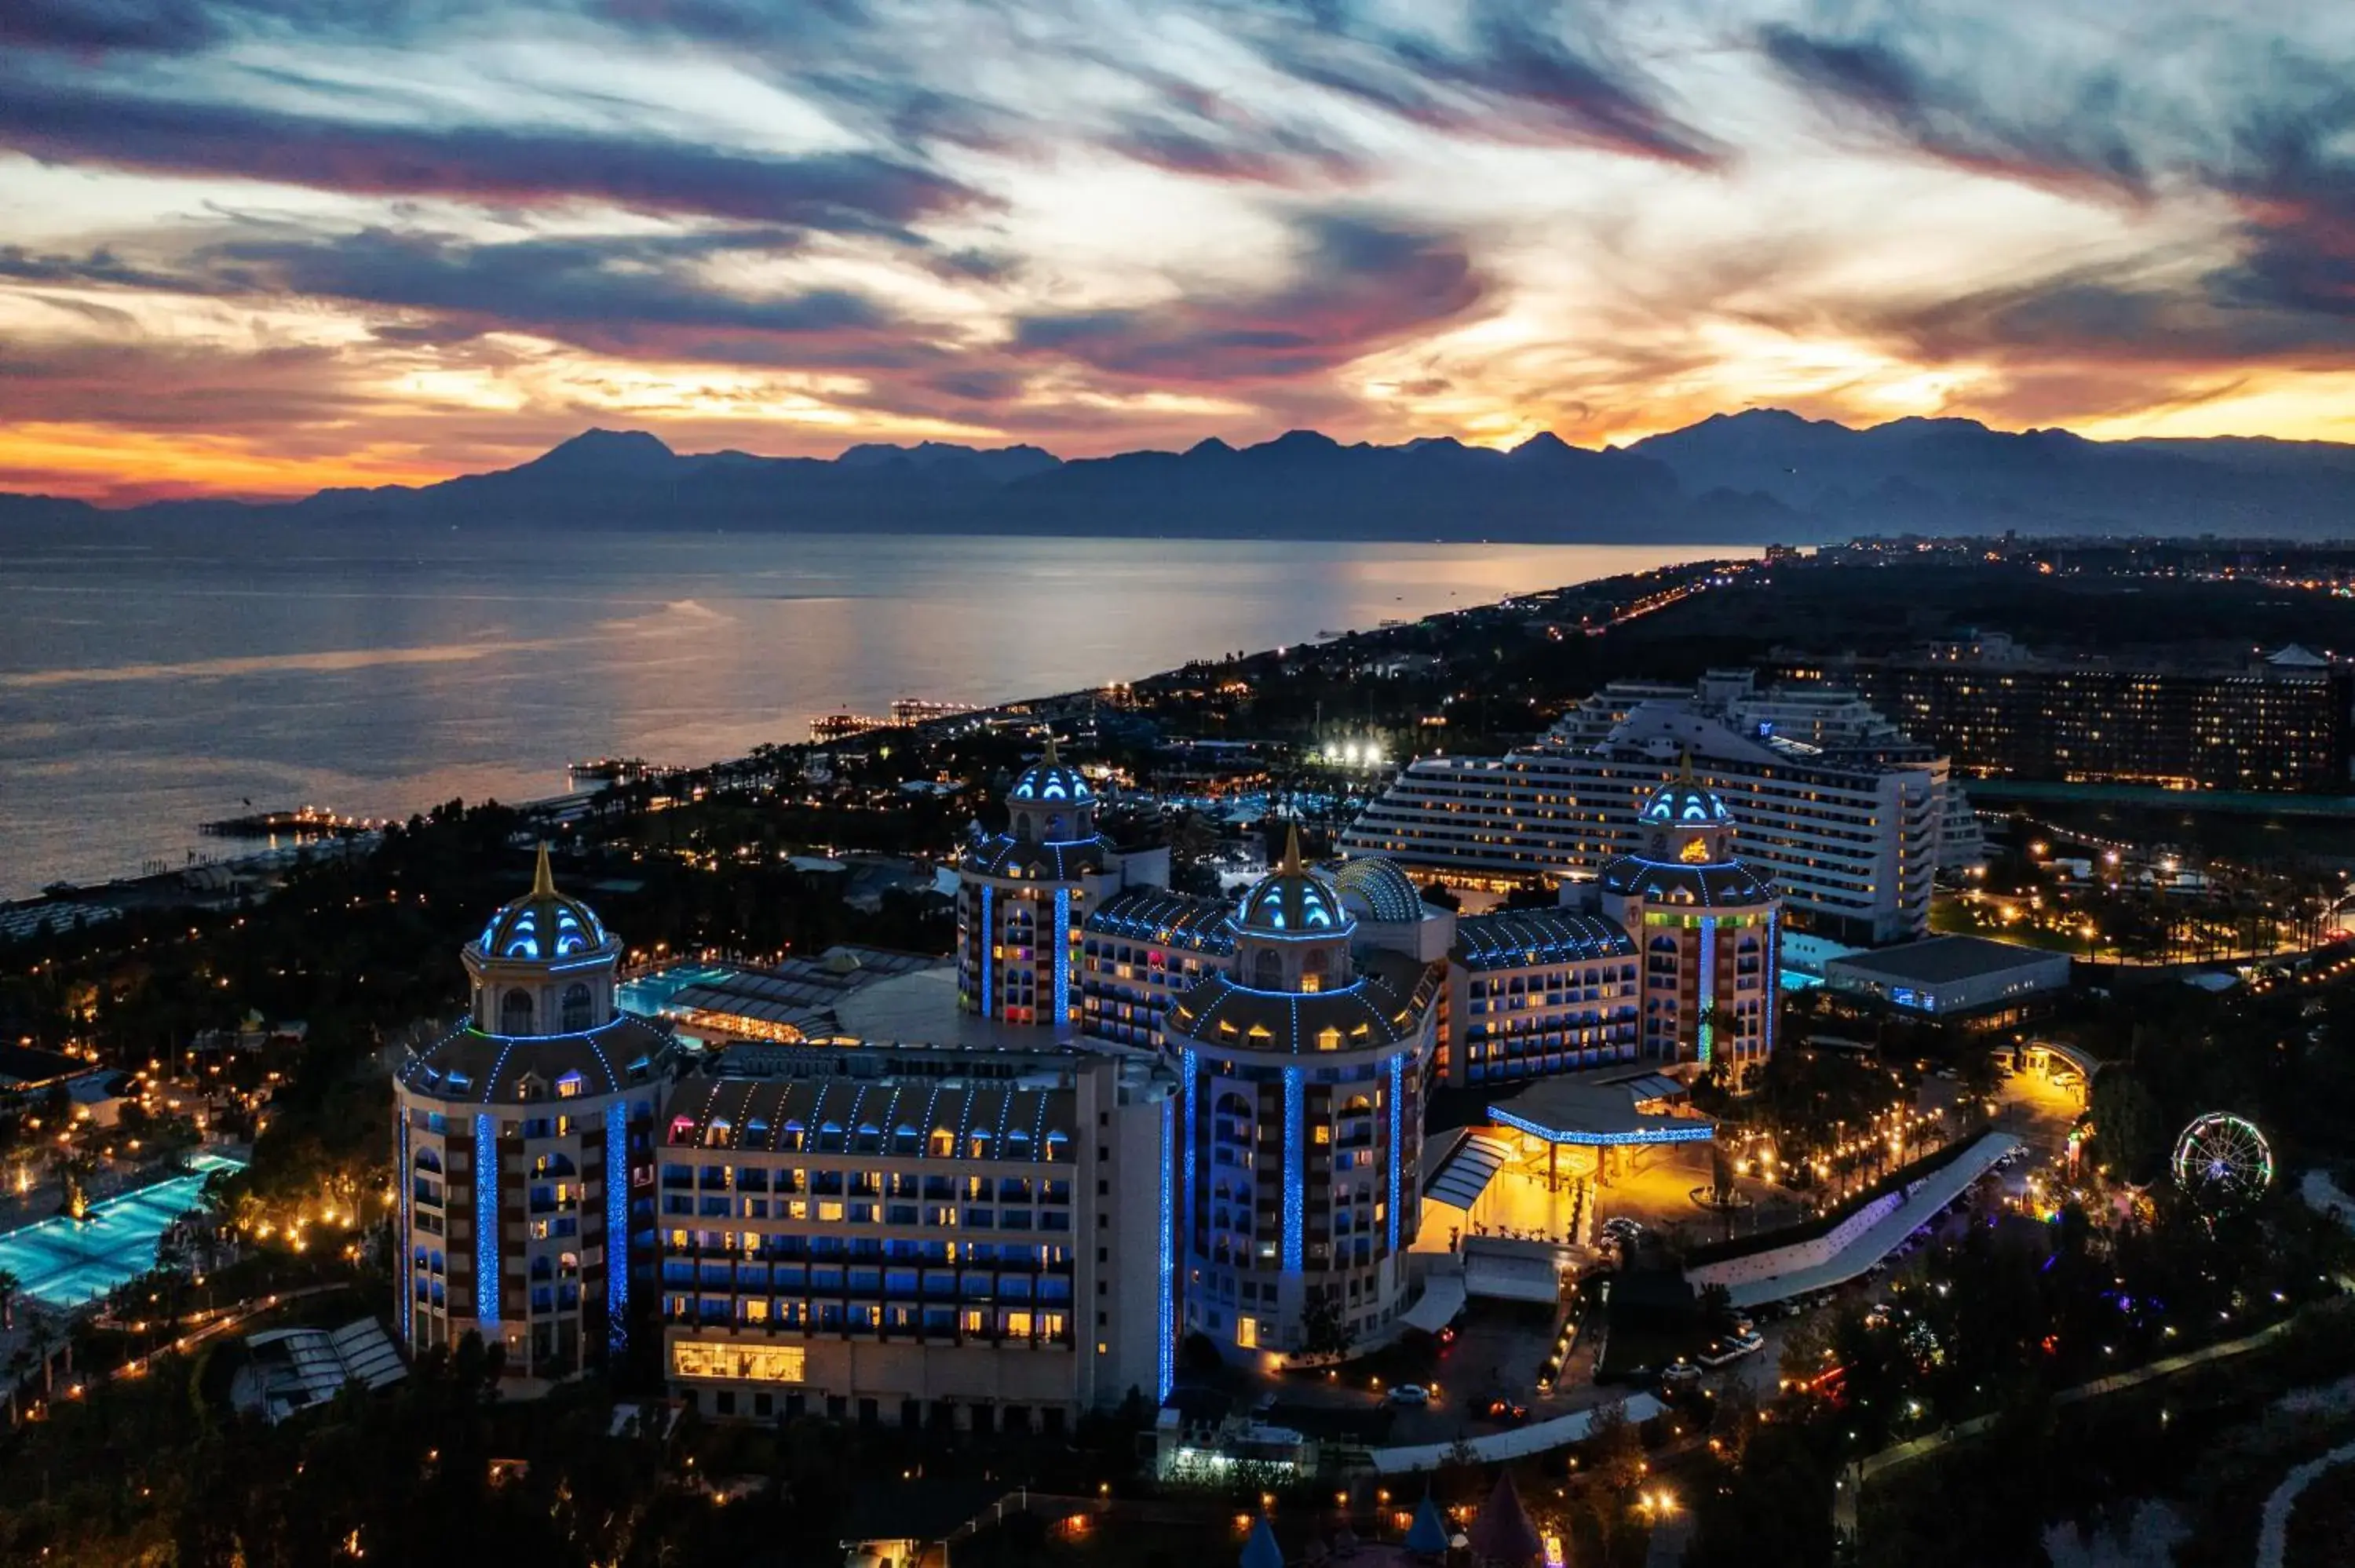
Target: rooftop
x: 1512, y: 938
x: 1585, y: 1111
x: 1175, y: 919
x: 1942, y: 961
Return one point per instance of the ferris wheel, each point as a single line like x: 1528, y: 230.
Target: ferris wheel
x: 2223, y: 1161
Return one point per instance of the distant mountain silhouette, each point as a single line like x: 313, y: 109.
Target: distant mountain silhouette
x: 1748, y: 478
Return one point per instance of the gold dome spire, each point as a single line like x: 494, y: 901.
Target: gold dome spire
x: 543, y: 880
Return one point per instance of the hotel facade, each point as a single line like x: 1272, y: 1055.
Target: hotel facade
x: 889, y: 1204
x: 1850, y: 824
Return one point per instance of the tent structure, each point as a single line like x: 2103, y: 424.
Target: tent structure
x: 1427, y: 1536
x: 1503, y: 1535
x: 1261, y: 1550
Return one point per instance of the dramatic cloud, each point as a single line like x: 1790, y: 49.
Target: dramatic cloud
x: 1511, y: 76
x: 2079, y: 144
x: 485, y: 164
x: 1359, y: 286
x: 261, y: 245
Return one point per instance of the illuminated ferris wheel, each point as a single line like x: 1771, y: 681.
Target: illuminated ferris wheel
x: 2222, y: 1163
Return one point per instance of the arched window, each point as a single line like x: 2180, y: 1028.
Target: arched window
x: 514, y: 1013
x: 1267, y: 970
x: 576, y: 1009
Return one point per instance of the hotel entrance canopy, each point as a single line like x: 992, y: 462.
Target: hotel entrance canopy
x: 1603, y: 1115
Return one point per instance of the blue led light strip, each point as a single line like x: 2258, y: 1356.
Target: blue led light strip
x: 1062, y: 955
x: 1165, y: 1328
x: 1773, y: 971
x: 986, y: 957
x: 486, y: 1226
x: 1295, y: 1112
x: 1707, y: 987
x: 1186, y: 1147
x: 617, y: 1226
x: 1695, y: 1132
x: 1396, y: 1158
x: 406, y: 1178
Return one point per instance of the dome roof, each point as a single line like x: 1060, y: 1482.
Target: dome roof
x: 1048, y: 780
x: 1379, y: 889
x: 1685, y: 802
x: 543, y: 924
x: 468, y: 1064
x: 1293, y: 900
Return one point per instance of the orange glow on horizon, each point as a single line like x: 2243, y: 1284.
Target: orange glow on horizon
x: 94, y: 462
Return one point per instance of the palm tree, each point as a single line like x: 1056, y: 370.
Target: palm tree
x: 9, y: 1286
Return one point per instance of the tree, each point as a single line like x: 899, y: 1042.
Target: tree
x: 1733, y: 1419
x: 1616, y: 1449
x: 1323, y: 1329
x: 1193, y: 844
x: 2128, y: 1126
x: 9, y: 1286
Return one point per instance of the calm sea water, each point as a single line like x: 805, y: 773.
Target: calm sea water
x: 153, y: 680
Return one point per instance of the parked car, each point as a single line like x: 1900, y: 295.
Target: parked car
x: 1410, y: 1393
x: 1680, y: 1375
x: 1725, y: 1352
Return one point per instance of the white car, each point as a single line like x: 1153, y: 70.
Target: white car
x: 1410, y: 1393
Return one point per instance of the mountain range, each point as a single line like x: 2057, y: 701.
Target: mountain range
x: 1761, y: 476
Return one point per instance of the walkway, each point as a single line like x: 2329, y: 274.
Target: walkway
x: 1931, y: 1193
x: 1518, y: 1443
x: 2273, y: 1538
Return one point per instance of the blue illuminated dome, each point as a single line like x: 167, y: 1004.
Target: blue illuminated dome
x: 1684, y: 803
x: 1048, y: 779
x: 542, y: 925
x: 1293, y: 900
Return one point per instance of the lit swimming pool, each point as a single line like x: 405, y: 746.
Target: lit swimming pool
x: 648, y: 994
x: 62, y: 1263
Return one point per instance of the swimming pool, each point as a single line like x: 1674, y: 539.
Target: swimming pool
x: 64, y: 1263
x: 648, y: 994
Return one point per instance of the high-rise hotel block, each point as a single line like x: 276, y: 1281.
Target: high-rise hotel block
x: 1848, y: 817
x: 1023, y: 893
x: 952, y: 1237
x: 524, y: 1148
x: 1299, y: 1122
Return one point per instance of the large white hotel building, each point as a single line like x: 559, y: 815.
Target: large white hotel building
x: 1849, y: 818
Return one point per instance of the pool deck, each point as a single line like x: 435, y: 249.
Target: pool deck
x: 66, y: 1264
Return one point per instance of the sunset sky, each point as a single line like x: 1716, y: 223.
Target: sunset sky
x: 260, y: 247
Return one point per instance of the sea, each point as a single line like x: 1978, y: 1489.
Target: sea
x: 157, y: 676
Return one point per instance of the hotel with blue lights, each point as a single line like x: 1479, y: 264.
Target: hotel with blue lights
x: 1300, y: 1073
x: 1024, y: 893
x: 524, y: 1148
x: 996, y: 1192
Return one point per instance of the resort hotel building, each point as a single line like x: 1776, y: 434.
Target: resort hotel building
x: 996, y: 1192
x: 1301, y: 1072
x: 1848, y: 817
x: 524, y: 1147
x: 1023, y: 893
